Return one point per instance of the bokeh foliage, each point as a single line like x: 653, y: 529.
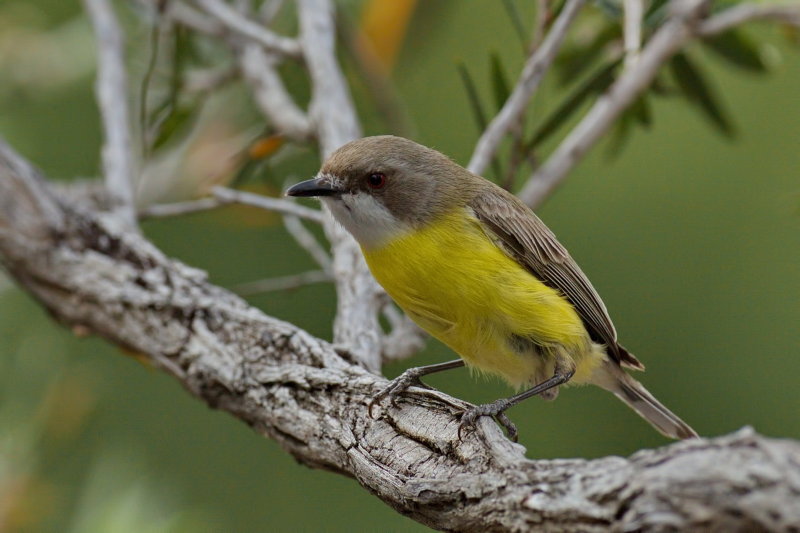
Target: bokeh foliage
x: 692, y: 238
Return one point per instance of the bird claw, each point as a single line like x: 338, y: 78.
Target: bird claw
x: 396, y: 387
x: 495, y: 410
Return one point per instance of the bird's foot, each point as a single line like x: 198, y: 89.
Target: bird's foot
x: 397, y: 386
x: 495, y: 410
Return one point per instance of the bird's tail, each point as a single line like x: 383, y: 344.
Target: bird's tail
x: 612, y: 378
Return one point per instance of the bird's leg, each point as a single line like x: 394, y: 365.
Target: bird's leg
x: 497, y: 408
x: 411, y: 377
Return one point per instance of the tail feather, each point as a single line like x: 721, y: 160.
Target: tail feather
x: 612, y: 378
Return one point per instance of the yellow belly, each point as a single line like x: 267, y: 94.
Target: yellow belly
x: 453, y: 281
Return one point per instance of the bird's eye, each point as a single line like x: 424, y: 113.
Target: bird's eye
x: 376, y: 180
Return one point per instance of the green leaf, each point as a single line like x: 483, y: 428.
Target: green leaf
x: 656, y: 13
x: 472, y: 95
x: 499, y: 81
x: 736, y: 48
x: 693, y: 85
x: 611, y: 8
x: 642, y: 112
x: 621, y: 134
x: 596, y: 84
x: 179, y: 120
x: 574, y: 61
x: 477, y: 108
x: 516, y: 21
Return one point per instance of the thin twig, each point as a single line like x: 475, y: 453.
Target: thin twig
x: 532, y: 74
x: 268, y: 11
x: 258, y: 68
x: 308, y: 242
x: 404, y: 339
x: 224, y: 196
x: 234, y: 21
x: 672, y: 35
x: 278, y: 205
x: 737, y: 15
x: 207, y: 80
x: 181, y: 208
x: 634, y: 13
x: 356, y: 325
x: 282, y: 283
x: 112, y: 90
x: 188, y: 16
x: 543, y: 17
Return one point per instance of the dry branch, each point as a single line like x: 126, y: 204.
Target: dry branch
x: 358, y: 295
x: 669, y: 38
x: 531, y: 77
x: 311, y: 399
x: 112, y: 90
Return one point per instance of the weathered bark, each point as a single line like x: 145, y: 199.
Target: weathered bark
x: 93, y: 273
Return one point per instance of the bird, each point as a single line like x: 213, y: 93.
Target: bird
x: 473, y: 266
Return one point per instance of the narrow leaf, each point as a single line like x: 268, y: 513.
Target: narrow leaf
x: 499, y: 81
x: 656, y: 13
x: 642, y: 112
x: 611, y: 8
x: 179, y: 120
x: 596, y: 84
x: 477, y: 108
x: 516, y: 21
x: 621, y: 133
x: 736, y: 48
x: 574, y: 61
x: 693, y: 85
x: 472, y: 95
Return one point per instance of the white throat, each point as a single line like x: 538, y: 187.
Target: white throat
x: 365, y: 218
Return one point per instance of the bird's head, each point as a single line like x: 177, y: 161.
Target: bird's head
x: 381, y: 187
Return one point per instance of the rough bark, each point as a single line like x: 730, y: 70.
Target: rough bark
x: 94, y: 274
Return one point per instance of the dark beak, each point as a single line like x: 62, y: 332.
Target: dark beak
x: 313, y: 187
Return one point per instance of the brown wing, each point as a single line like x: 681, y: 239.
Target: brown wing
x: 532, y: 244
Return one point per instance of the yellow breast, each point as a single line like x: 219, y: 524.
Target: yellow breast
x: 454, y: 281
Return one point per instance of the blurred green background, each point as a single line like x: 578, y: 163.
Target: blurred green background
x: 693, y: 241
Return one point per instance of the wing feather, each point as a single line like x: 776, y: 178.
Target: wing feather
x: 532, y: 244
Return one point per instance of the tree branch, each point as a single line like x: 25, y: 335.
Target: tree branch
x: 738, y: 15
x: 232, y: 20
x: 632, y: 34
x: 306, y: 240
x: 356, y: 325
x: 312, y: 400
x: 282, y: 283
x: 277, y: 205
x: 112, y: 91
x: 669, y: 38
x: 532, y: 74
x: 270, y: 94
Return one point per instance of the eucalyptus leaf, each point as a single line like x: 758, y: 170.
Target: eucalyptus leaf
x: 737, y: 49
x: 693, y: 85
x: 516, y: 21
x: 612, y: 8
x: 656, y: 13
x: 642, y: 111
x: 477, y: 108
x: 179, y: 120
x: 594, y: 85
x: 500, y: 84
x: 575, y: 60
x: 472, y: 96
x: 620, y: 135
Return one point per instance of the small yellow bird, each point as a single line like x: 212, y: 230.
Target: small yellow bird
x: 477, y: 269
